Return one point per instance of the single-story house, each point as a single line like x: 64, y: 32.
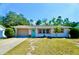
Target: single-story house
x: 2, y: 31
x: 40, y: 31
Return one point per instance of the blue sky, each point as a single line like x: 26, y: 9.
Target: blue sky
x: 37, y: 11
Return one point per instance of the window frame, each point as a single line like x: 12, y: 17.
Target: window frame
x: 44, y: 31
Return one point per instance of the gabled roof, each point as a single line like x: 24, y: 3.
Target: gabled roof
x: 38, y: 26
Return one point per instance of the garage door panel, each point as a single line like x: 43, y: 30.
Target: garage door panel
x: 22, y: 32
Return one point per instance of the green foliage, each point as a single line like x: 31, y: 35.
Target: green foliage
x: 73, y: 24
x: 44, y: 21
x: 38, y: 22
x: 1, y: 20
x: 9, y: 32
x: 59, y: 20
x: 77, y: 26
x: 53, y: 21
x: 13, y: 19
x: 57, y: 29
x: 31, y: 21
x: 1, y: 23
x: 74, y: 33
x: 66, y: 22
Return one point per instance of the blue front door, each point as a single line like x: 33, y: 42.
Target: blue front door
x: 33, y: 33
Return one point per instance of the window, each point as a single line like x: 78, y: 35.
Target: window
x: 43, y: 31
x: 47, y: 31
x: 39, y: 31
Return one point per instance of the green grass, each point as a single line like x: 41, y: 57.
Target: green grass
x: 21, y: 49
x: 56, y: 47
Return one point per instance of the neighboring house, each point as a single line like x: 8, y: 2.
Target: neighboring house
x: 40, y: 31
x: 2, y: 31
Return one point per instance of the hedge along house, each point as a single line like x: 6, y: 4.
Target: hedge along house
x: 2, y: 31
x: 41, y: 31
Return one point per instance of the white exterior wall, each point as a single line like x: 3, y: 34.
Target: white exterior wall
x: 52, y: 34
x: 64, y: 34
x: 36, y: 31
x: 30, y: 31
x: 52, y: 30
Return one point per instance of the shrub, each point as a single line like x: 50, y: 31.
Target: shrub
x: 74, y: 33
x: 9, y: 32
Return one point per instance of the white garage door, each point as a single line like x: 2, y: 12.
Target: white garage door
x: 22, y: 32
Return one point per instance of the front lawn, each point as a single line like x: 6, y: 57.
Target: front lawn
x: 56, y: 47
x: 45, y: 46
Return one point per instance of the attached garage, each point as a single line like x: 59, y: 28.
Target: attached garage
x: 22, y: 32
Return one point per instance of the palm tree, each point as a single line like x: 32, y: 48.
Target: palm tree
x: 66, y: 21
x: 53, y: 21
x: 38, y: 22
x: 59, y: 20
x: 50, y: 22
x: 31, y: 21
x: 45, y: 21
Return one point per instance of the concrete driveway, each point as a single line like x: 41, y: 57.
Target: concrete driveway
x: 7, y: 44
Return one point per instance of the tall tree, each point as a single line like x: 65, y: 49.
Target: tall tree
x: 66, y: 22
x: 38, y: 22
x: 1, y: 20
x: 50, y: 22
x: 73, y: 24
x: 53, y: 21
x: 31, y: 21
x: 59, y: 20
x: 21, y: 20
x: 13, y: 19
x: 45, y: 21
